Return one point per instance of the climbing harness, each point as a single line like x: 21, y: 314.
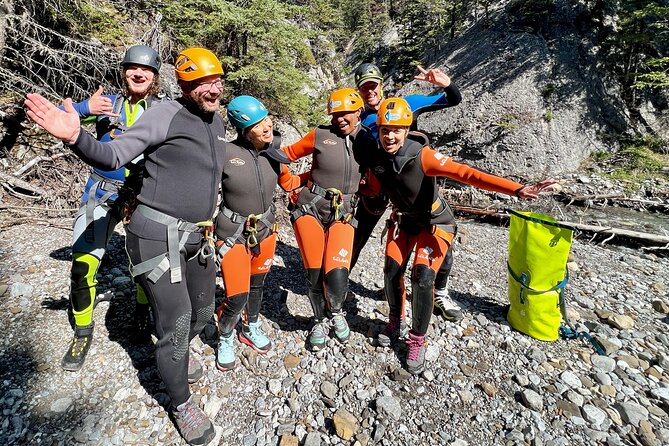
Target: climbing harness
x: 337, y: 200
x: 170, y: 260
x: 246, y: 233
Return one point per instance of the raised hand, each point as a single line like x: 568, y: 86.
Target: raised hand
x: 434, y: 76
x: 100, y: 105
x: 531, y: 192
x: 64, y: 125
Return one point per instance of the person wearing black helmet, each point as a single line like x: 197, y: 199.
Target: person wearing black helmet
x: 100, y: 204
x: 369, y: 80
x: 169, y: 237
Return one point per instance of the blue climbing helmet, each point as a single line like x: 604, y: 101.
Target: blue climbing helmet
x: 245, y: 111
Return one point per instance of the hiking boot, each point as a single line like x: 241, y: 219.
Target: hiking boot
x: 390, y: 333
x: 225, y: 355
x: 415, y: 353
x: 340, y: 326
x: 253, y: 336
x: 193, y: 424
x: 194, y: 369
x: 445, y: 307
x: 318, y: 335
x: 78, y: 348
x: 142, y: 323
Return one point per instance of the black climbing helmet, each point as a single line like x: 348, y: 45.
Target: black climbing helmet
x: 366, y: 72
x: 142, y: 55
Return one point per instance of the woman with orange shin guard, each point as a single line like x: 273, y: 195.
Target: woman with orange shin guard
x: 406, y: 168
x: 323, y: 218
x: 245, y: 226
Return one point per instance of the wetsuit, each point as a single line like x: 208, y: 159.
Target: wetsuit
x: 323, y: 218
x: 183, y: 149
x: 420, y: 219
x: 100, y: 208
x: 245, y: 225
x: 371, y: 207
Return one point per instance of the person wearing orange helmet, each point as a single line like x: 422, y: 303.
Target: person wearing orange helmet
x: 168, y: 238
x: 369, y: 81
x: 406, y: 168
x: 323, y: 219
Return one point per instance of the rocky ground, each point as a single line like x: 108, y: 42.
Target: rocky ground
x: 485, y: 383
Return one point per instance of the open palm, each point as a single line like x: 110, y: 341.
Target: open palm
x: 64, y: 125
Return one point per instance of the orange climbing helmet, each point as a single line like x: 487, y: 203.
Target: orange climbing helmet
x: 196, y: 63
x: 395, y: 112
x: 344, y: 100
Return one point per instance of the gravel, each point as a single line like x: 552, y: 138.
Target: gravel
x: 484, y: 384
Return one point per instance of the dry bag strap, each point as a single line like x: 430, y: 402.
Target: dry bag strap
x: 522, y: 280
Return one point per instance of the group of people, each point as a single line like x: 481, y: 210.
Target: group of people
x: 159, y: 166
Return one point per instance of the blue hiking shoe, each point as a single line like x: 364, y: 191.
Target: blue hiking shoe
x: 253, y: 336
x: 340, y: 326
x: 225, y: 355
x: 318, y: 335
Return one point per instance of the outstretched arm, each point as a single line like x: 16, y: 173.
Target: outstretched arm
x: 436, y: 164
x: 63, y: 124
x: 531, y: 192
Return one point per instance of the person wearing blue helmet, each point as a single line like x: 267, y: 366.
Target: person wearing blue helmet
x: 245, y: 225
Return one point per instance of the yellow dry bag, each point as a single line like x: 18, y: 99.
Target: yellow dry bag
x: 538, y: 251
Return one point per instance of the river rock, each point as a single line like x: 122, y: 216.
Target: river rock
x: 346, y: 425
x: 532, y: 399
x: 632, y: 413
x: 620, y: 321
x: 389, y: 407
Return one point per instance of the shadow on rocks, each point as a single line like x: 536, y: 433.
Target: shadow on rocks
x: 476, y: 304
x: 31, y: 420
x: 64, y: 253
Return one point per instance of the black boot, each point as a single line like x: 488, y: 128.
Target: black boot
x: 78, y: 348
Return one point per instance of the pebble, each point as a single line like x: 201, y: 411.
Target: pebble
x: 345, y: 424
x: 532, y: 400
x: 389, y: 407
x: 603, y: 363
x: 632, y: 413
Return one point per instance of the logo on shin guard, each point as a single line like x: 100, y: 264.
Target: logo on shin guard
x: 342, y: 257
x: 425, y: 253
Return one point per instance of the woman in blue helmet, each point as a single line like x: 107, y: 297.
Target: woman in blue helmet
x: 245, y: 225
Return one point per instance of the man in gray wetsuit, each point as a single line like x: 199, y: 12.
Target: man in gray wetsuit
x: 168, y: 238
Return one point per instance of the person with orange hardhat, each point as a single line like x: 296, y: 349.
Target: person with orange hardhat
x: 323, y: 215
x: 369, y: 81
x: 169, y: 237
x: 406, y: 168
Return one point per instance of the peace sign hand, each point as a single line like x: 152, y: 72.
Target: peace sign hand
x: 434, y: 76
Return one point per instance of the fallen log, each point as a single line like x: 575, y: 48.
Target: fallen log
x: 587, y: 200
x: 19, y: 183
x: 37, y: 159
x: 643, y: 238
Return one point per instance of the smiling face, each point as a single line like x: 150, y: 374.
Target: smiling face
x: 205, y: 92
x: 392, y: 137
x: 260, y: 134
x: 372, y: 93
x: 345, y: 121
x: 139, y: 80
